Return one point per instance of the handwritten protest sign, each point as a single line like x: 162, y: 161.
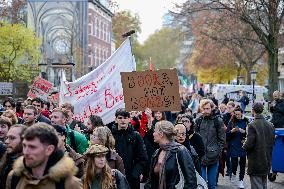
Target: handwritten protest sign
x: 157, y: 90
x: 100, y: 91
x: 40, y: 88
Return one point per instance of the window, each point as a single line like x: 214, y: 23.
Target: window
x: 98, y: 27
x: 94, y: 28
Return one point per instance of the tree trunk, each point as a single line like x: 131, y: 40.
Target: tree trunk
x: 273, y: 71
x: 248, y: 76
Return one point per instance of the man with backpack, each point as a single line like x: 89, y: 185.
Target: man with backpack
x: 244, y: 100
x: 211, y: 129
x: 77, y: 141
x: 43, y: 165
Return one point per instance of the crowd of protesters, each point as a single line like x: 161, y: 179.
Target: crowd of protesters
x: 42, y: 146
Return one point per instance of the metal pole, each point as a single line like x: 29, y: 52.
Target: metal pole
x: 253, y: 83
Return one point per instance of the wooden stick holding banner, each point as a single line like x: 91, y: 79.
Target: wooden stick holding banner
x: 157, y: 90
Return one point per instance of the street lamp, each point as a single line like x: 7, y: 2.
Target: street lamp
x: 253, y: 77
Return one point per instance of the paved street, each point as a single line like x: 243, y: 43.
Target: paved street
x: 224, y: 183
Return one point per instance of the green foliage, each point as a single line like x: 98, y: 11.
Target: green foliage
x: 163, y: 47
x: 19, y: 53
x: 123, y: 22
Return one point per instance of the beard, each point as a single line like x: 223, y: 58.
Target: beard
x: 17, y: 149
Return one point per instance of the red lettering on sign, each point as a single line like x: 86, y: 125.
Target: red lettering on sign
x: 110, y: 100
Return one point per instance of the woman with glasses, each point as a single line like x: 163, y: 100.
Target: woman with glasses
x: 171, y: 163
x: 102, y: 135
x: 194, y: 138
x: 182, y: 139
x: 98, y: 174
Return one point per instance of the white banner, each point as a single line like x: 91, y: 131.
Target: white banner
x: 100, y: 91
x: 6, y: 88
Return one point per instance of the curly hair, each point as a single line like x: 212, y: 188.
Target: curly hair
x: 105, y: 136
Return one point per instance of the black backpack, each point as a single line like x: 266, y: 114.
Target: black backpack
x: 199, y: 120
x: 246, y: 100
x: 15, y: 180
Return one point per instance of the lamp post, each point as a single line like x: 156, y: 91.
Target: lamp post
x: 253, y: 77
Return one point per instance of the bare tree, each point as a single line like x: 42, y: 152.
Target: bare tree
x: 263, y: 16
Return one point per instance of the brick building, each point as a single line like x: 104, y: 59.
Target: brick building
x: 99, y: 33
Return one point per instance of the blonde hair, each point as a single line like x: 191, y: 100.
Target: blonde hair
x: 105, y: 136
x: 204, y: 102
x: 167, y: 128
x: 222, y: 106
x: 90, y: 174
x: 11, y: 115
x: 231, y: 103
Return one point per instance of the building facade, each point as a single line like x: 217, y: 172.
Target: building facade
x: 99, y: 34
x: 76, y: 35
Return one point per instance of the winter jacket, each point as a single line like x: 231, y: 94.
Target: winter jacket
x: 81, y: 142
x: 212, y: 132
x: 196, y: 142
x: 236, y: 139
x: 143, y: 124
x: 78, y: 159
x: 226, y: 118
x: 58, y: 168
x: 259, y: 144
x: 6, y: 165
x: 42, y: 118
x: 278, y: 114
x: 115, y: 161
x: 130, y: 147
x: 172, y: 172
x: 2, y: 149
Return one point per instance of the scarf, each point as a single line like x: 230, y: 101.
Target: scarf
x: 162, y: 175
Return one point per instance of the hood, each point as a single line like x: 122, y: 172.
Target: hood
x: 60, y: 170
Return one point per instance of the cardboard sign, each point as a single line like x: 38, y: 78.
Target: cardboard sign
x: 6, y: 88
x: 40, y: 88
x: 157, y: 90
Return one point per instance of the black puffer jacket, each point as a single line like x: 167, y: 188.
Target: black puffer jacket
x: 278, y: 114
x: 172, y: 172
x: 130, y: 146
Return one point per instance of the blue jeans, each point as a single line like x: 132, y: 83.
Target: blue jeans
x: 209, y: 174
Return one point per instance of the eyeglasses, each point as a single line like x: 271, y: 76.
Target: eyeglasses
x: 181, y: 134
x: 185, y: 121
x: 10, y: 138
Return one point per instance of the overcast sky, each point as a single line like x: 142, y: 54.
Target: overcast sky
x: 150, y: 12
